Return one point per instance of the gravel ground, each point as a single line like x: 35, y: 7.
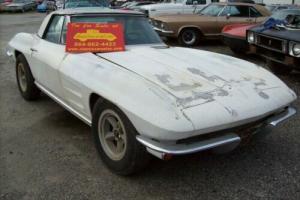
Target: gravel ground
x: 46, y: 153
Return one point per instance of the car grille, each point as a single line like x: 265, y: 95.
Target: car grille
x: 271, y: 43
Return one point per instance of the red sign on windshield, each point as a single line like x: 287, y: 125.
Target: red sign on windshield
x: 95, y: 37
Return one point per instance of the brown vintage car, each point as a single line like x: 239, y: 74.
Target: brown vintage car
x: 209, y: 22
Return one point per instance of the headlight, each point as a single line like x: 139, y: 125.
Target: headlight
x: 251, y: 37
x: 296, y: 49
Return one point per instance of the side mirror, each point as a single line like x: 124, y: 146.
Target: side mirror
x: 228, y: 15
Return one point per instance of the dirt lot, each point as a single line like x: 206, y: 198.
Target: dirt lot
x: 46, y: 153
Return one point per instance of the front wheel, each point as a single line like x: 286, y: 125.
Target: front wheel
x: 25, y: 80
x: 115, y: 139
x: 189, y: 37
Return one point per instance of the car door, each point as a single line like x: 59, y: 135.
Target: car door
x: 48, y: 53
x: 235, y: 14
x: 207, y: 19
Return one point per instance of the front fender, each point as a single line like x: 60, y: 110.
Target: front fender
x: 152, y: 110
x: 20, y: 42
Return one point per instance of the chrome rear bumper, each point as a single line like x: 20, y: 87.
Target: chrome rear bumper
x: 229, y: 140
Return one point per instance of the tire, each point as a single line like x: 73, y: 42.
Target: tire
x: 189, y: 37
x: 25, y: 80
x: 279, y: 69
x: 111, y: 128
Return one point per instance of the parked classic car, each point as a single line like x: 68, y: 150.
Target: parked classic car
x: 279, y: 44
x: 209, y: 22
x: 4, y: 3
x: 174, y: 7
x: 234, y: 35
x: 46, y: 5
x: 20, y: 5
x: 150, y: 98
x: 277, y: 7
x: 85, y: 3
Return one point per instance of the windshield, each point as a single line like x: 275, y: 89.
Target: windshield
x: 211, y: 10
x: 281, y: 15
x: 137, y: 30
x: 86, y: 3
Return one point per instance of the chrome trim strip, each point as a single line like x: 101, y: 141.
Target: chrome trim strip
x: 161, y: 30
x: 276, y: 120
x: 180, y: 149
x: 63, y: 104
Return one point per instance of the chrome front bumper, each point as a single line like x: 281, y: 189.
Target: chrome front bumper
x: 162, y: 31
x: 227, y: 141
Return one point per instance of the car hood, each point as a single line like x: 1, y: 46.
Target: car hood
x: 282, y: 33
x: 196, y: 77
x: 237, y: 30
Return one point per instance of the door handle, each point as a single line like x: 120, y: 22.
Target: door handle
x: 32, y: 49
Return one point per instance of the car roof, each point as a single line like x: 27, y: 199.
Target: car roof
x: 93, y: 10
x: 236, y: 3
x: 262, y: 9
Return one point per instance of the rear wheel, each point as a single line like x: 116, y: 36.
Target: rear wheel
x: 115, y: 139
x: 25, y: 80
x: 279, y: 69
x: 189, y: 37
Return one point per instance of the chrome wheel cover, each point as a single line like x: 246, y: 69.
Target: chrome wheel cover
x: 112, y: 135
x: 189, y: 37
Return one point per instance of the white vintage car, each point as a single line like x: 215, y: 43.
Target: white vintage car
x: 150, y: 98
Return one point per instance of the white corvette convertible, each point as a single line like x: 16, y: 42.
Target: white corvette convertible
x: 150, y: 98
